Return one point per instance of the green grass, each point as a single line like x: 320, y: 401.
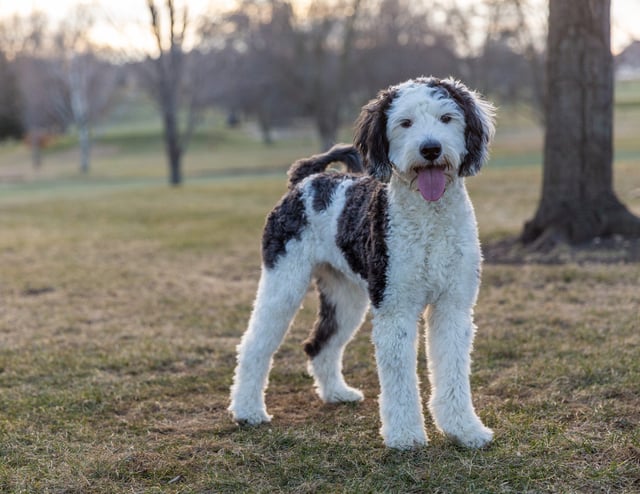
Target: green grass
x: 627, y: 94
x: 122, y: 301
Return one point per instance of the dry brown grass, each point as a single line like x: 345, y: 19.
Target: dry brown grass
x: 120, y: 314
x: 120, y: 309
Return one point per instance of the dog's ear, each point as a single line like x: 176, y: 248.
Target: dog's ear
x: 479, y: 115
x: 370, y: 136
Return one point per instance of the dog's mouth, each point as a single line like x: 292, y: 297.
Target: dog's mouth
x: 431, y: 181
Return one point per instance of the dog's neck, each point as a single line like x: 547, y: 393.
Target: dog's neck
x: 406, y: 195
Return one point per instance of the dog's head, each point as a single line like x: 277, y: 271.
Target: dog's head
x: 425, y: 125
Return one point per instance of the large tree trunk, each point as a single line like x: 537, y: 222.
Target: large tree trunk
x: 578, y: 202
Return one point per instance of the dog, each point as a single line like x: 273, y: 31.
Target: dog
x: 396, y: 233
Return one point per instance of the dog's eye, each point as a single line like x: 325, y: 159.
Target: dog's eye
x: 446, y: 118
x: 406, y: 123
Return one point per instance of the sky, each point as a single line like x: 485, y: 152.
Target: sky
x: 126, y: 23
x: 123, y: 24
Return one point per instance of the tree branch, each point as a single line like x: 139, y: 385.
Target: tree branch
x: 155, y: 24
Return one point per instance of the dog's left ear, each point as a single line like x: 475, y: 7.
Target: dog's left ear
x: 370, y: 137
x: 479, y: 115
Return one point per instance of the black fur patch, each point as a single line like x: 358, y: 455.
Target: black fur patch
x: 475, y: 135
x: 370, y: 136
x: 361, y: 235
x: 325, y: 327
x: 318, y: 163
x: 323, y: 188
x: 285, y: 222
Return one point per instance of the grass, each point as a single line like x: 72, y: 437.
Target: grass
x: 121, y: 303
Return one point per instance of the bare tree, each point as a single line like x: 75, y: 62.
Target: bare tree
x: 86, y: 83
x: 509, y: 62
x: 406, y: 37
x: 326, y: 61
x: 23, y: 34
x: 251, y: 48
x: 288, y: 61
x: 578, y: 202
x: 172, y: 84
x: 25, y: 41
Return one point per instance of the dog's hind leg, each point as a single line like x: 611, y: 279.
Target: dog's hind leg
x: 342, y: 308
x: 280, y: 293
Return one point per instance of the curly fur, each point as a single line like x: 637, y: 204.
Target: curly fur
x: 379, y: 240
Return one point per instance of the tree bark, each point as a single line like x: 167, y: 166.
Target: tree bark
x: 578, y: 202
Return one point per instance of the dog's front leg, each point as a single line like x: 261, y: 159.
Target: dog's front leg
x: 395, y: 340
x: 449, y: 341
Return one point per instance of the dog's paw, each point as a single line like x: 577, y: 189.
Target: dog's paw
x: 406, y: 441
x: 345, y: 394
x: 404, y: 436
x: 475, y: 436
x: 250, y: 417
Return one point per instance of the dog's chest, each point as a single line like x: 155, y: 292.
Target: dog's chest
x: 428, y: 251
x: 421, y: 261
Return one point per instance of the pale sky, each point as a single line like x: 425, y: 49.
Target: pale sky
x: 127, y: 26
x: 123, y: 24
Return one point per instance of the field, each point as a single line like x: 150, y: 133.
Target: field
x: 122, y: 301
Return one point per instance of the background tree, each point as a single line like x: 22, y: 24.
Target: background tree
x: 85, y: 82
x: 251, y: 49
x: 26, y: 43
x: 325, y: 58
x: 510, y: 65
x: 276, y: 63
x: 172, y: 84
x: 398, y: 40
x: 578, y: 202
x: 10, y: 121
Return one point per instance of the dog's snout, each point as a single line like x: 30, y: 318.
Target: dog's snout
x: 430, y: 150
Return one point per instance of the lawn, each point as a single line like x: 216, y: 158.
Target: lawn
x: 122, y: 301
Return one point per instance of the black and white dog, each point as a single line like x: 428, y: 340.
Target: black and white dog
x: 400, y: 238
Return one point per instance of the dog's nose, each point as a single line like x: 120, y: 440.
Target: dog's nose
x: 430, y: 150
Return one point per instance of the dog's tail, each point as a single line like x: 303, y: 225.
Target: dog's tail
x: 317, y: 163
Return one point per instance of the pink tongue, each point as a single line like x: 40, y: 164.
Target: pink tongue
x: 431, y: 183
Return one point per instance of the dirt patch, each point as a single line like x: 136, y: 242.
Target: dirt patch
x: 610, y: 250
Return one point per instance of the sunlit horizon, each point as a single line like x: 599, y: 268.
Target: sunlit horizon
x: 123, y: 24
